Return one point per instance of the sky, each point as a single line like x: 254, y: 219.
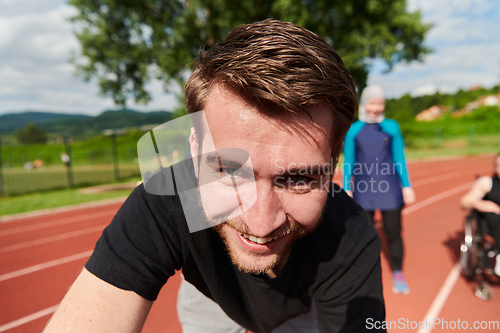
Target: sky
x: 36, y: 42
x: 466, y: 41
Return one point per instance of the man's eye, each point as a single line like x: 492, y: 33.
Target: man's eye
x: 299, y: 180
x: 235, y: 176
x: 301, y: 184
x: 231, y: 171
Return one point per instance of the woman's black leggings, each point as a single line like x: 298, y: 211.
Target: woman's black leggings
x: 392, y: 227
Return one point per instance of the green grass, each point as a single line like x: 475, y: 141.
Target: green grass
x: 480, y: 144
x: 43, y: 200
x: 428, y: 148
x: 18, y: 181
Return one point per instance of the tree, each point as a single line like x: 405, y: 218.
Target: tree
x: 31, y: 134
x: 126, y: 42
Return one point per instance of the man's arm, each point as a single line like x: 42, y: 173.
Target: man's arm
x: 93, y: 305
x: 474, y: 198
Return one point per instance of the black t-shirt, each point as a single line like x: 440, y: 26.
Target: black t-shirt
x: 494, y: 193
x: 337, y: 266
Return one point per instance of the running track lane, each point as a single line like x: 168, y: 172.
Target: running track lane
x: 35, y: 274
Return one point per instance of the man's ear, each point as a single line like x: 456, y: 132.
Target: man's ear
x: 195, y: 149
x: 334, y: 160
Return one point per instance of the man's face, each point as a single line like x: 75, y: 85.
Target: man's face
x: 290, y: 157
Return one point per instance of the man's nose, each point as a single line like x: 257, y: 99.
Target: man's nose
x: 267, y: 214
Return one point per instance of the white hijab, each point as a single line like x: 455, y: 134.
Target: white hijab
x: 368, y: 93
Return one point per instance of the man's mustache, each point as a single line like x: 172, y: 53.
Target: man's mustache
x: 283, y: 230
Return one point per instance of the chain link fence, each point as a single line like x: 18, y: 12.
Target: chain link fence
x: 32, y: 168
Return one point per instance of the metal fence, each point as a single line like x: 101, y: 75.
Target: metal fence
x: 32, y: 168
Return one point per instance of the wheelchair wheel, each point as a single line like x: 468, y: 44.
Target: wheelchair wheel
x: 469, y: 248
x: 483, y: 291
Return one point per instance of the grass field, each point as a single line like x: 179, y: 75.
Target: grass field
x: 18, y: 180
x: 35, y: 184
x: 471, y: 145
x: 28, y: 190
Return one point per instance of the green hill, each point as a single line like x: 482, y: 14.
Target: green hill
x: 9, y: 123
x: 406, y: 107
x: 82, y: 126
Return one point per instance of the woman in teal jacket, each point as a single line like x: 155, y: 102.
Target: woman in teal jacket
x: 374, y: 155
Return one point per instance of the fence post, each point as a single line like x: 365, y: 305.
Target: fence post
x: 115, y: 155
x: 472, y: 135
x: 66, y: 158
x: 2, y: 193
x: 438, y: 137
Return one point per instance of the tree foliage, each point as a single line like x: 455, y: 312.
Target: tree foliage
x: 31, y: 134
x: 406, y: 107
x: 126, y: 42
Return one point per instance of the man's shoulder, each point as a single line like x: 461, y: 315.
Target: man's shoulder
x: 162, y: 188
x: 484, y: 183
x: 345, y: 252
x: 341, y: 209
x: 141, y: 199
x: 145, y: 211
x: 344, y: 221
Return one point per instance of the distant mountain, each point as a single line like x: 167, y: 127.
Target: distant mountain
x: 82, y: 125
x: 12, y: 121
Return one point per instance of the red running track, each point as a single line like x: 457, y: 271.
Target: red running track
x: 41, y: 256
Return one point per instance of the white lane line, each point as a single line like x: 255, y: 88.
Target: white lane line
x: 470, y: 172
x: 51, y: 239
x: 429, y: 201
x: 452, y: 278
x: 441, y: 298
x: 437, y: 197
x: 45, y: 265
x: 37, y: 213
x: 433, y: 312
x: 54, y: 223
x: 433, y: 179
x: 27, y: 319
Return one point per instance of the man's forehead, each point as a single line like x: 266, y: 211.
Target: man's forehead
x: 225, y: 110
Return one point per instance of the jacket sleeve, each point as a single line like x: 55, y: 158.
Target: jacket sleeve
x: 398, y: 151
x: 350, y: 153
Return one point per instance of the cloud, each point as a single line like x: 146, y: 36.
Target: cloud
x: 451, y: 69
x: 428, y: 89
x: 34, y: 67
x: 12, y: 8
x: 36, y: 42
x: 466, y: 42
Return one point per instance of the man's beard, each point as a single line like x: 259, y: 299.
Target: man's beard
x: 254, y: 267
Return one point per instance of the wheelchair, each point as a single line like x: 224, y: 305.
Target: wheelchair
x: 477, y: 254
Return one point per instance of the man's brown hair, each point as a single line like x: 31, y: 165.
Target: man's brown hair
x: 277, y: 67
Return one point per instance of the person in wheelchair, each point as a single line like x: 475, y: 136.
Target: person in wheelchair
x: 485, y: 198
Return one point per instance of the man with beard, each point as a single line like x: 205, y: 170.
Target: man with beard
x: 298, y: 256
